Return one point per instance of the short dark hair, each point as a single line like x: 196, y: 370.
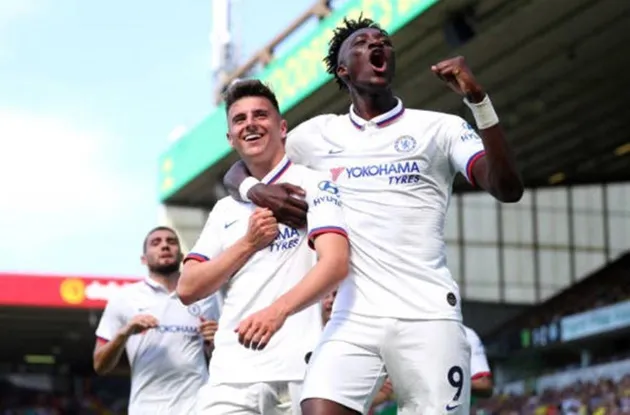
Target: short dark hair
x: 157, y: 228
x: 249, y: 88
x: 340, y: 34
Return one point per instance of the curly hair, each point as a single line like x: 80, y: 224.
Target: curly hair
x: 340, y: 34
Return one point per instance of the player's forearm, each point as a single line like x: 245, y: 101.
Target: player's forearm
x: 201, y: 279
x: 321, y: 279
x: 503, y: 179
x: 379, y: 398
x: 208, y: 348
x: 482, y: 388
x: 234, y: 178
x: 107, y: 355
x: 497, y: 172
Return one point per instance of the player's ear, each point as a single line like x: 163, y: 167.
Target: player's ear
x: 143, y: 259
x: 229, y: 138
x: 342, y: 71
x: 283, y: 129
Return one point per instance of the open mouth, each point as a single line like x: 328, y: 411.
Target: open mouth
x: 378, y: 60
x: 252, y: 137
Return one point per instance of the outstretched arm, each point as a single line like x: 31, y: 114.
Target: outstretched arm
x: 496, y: 171
x: 493, y: 169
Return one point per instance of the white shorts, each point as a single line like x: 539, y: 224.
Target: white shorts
x: 428, y: 362
x: 268, y: 398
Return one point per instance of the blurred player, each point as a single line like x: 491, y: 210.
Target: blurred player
x: 164, y: 339
x: 264, y: 272
x: 395, y: 166
x: 482, y: 384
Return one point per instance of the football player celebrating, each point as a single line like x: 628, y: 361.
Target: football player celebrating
x: 399, y: 307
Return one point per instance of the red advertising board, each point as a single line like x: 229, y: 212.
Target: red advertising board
x: 58, y: 291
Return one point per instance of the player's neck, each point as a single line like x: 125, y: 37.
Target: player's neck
x: 169, y: 282
x: 368, y: 105
x: 261, y: 167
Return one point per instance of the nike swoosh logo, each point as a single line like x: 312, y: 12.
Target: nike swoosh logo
x: 335, y: 151
x: 227, y: 225
x: 450, y: 407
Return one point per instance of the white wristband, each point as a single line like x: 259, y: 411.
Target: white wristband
x: 245, y: 186
x: 485, y: 116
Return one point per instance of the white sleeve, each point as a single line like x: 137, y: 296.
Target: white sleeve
x: 325, y: 212
x: 212, y: 306
x: 464, y: 146
x: 478, y: 361
x: 208, y: 243
x: 112, y: 320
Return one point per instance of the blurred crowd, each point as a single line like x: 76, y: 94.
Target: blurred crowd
x: 22, y: 401
x: 604, y: 397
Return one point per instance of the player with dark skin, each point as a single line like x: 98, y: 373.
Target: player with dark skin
x: 353, y: 46
x: 362, y: 59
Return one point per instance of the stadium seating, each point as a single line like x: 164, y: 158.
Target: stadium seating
x: 601, y: 397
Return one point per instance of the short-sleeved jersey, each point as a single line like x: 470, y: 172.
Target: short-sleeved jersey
x: 267, y: 275
x: 168, y: 365
x: 395, y: 173
x: 478, y: 361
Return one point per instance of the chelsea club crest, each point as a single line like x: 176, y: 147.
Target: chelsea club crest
x: 194, y: 310
x: 405, y: 144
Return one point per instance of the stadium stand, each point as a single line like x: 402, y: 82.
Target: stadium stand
x: 41, y: 395
x: 601, y: 396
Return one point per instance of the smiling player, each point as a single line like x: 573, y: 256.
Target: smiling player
x: 265, y: 273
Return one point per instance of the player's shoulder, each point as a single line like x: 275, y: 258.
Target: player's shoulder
x: 313, y: 130
x: 308, y: 177
x: 315, y: 125
x: 307, y: 172
x: 126, y: 293
x: 432, y: 117
x: 225, y: 205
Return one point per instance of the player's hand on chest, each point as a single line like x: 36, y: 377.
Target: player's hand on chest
x: 236, y: 227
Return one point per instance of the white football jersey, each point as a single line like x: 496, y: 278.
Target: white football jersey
x: 168, y: 364
x: 268, y: 274
x: 395, y: 174
x: 479, y: 366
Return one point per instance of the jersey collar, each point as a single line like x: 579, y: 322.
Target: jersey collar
x: 379, y: 121
x: 157, y: 286
x: 277, y: 172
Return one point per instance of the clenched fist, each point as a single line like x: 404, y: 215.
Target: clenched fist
x: 262, y: 229
x: 456, y: 74
x: 208, y: 329
x: 139, y: 323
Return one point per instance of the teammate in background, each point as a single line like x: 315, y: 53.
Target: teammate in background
x: 164, y: 339
x: 264, y: 272
x: 482, y: 384
x: 395, y: 166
